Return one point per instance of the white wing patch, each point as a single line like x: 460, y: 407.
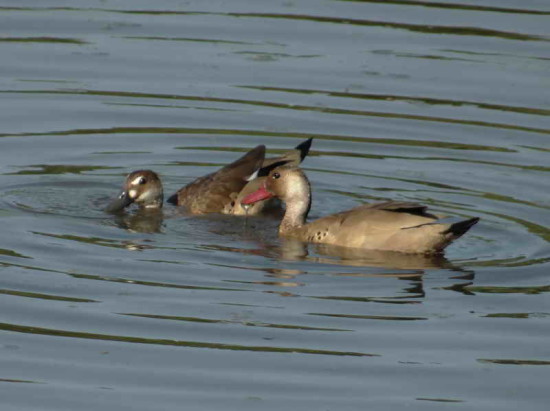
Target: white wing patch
x: 253, y: 176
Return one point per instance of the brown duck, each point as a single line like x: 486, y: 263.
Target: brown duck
x: 390, y: 226
x: 142, y: 187
x: 208, y: 194
x: 214, y: 192
x: 218, y: 192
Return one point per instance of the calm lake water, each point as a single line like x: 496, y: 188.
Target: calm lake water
x: 440, y: 102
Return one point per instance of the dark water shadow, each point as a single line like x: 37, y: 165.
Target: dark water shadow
x: 292, y: 249
x: 171, y: 342
x: 140, y: 221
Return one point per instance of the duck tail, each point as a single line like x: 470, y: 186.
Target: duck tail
x: 303, y: 148
x: 458, y: 229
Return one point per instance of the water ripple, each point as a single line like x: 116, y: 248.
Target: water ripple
x: 178, y: 343
x: 454, y: 6
x: 46, y: 296
x: 418, y: 28
x: 62, y: 40
x: 240, y: 322
x: 212, y: 131
x: 407, y: 99
x: 329, y: 110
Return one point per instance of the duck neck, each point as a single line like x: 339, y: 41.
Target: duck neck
x: 297, y: 209
x: 152, y: 199
x: 155, y: 204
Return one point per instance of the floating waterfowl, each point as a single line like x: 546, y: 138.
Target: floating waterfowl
x: 221, y: 191
x: 214, y: 192
x: 217, y: 192
x: 390, y: 226
x: 142, y: 187
x: 292, y: 158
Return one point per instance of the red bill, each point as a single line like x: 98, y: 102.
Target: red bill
x: 258, y: 195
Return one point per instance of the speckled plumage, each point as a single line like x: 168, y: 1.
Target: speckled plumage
x: 390, y: 226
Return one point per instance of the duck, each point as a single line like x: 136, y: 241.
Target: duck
x: 207, y: 194
x: 142, y: 187
x: 291, y: 158
x: 213, y: 192
x: 399, y: 226
x: 221, y: 191
x: 217, y: 192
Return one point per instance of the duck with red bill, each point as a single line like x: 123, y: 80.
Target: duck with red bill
x: 388, y: 226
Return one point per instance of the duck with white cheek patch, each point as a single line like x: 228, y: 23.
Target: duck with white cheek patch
x: 142, y: 187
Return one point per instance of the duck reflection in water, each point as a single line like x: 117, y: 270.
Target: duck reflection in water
x: 296, y: 250
x: 141, y: 221
x: 292, y: 262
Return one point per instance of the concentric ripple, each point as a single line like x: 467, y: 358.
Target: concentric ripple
x: 440, y: 103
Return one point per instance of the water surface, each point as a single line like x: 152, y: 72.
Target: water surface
x: 441, y: 103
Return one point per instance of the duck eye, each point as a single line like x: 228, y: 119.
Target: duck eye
x: 142, y: 180
x: 276, y: 175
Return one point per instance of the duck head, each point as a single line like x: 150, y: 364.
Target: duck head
x: 142, y: 187
x: 288, y: 183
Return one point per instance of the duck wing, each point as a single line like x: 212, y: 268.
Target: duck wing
x: 211, y: 193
